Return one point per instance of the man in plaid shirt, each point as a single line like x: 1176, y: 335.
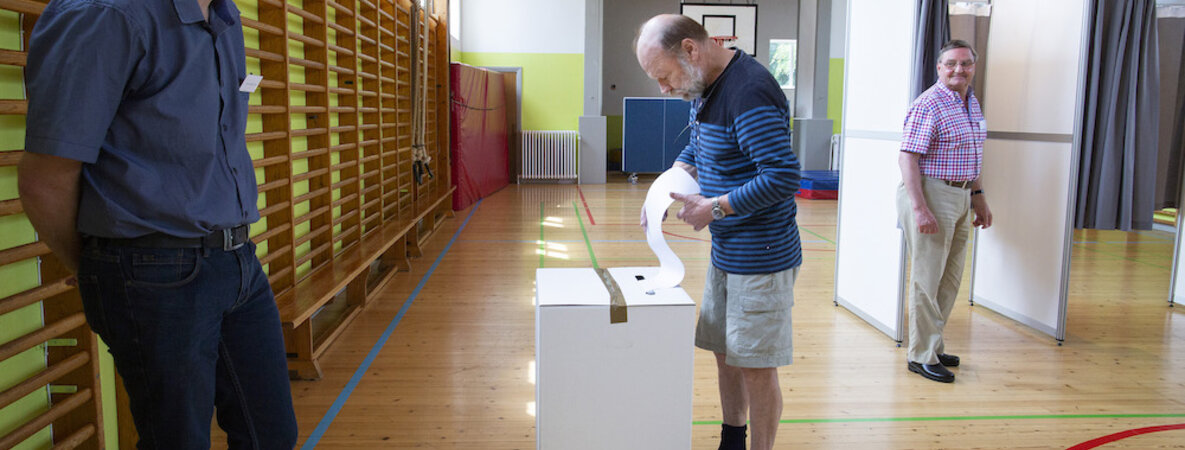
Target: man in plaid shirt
x: 941, y: 156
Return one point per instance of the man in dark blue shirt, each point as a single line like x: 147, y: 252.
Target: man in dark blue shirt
x: 740, y: 154
x: 137, y: 176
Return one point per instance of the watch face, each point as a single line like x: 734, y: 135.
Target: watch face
x: 717, y: 212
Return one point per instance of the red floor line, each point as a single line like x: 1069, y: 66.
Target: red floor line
x: 635, y: 224
x: 1124, y: 435
x: 685, y: 237
x: 586, y: 210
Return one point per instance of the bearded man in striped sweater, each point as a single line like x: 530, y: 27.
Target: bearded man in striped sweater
x: 740, y: 154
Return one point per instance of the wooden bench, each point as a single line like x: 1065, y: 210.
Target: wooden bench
x: 340, y: 289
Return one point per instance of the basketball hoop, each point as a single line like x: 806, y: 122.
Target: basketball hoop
x: 725, y: 41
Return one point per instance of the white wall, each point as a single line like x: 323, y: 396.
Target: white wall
x: 455, y: 24
x: 776, y: 19
x: 523, y: 26
x: 839, y: 24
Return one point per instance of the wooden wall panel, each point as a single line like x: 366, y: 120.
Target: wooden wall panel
x: 330, y: 131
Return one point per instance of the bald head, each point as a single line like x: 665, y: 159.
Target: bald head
x: 675, y: 51
x: 666, y: 32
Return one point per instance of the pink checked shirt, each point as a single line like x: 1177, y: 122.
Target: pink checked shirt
x: 948, y: 136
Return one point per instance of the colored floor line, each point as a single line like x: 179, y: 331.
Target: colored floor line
x: 590, y: 216
x: 1164, y: 235
x: 1095, y: 250
x: 1098, y: 442
x: 569, y: 241
x: 800, y: 227
x: 340, y: 402
x: 542, y: 243
x: 686, y: 237
x: 591, y: 255
x: 1165, y: 243
x: 611, y: 241
x: 961, y: 418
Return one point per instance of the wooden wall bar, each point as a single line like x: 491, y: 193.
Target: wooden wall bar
x: 65, y: 377
x: 330, y: 132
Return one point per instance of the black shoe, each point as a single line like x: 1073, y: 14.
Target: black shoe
x: 934, y: 372
x: 948, y: 360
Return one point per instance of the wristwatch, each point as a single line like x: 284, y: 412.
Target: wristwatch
x: 717, y: 210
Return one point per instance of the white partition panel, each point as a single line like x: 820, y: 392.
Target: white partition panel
x: 1018, y: 261
x: 1034, y: 50
x: 870, y: 255
x: 1033, y: 77
x: 1177, y: 292
x: 870, y: 261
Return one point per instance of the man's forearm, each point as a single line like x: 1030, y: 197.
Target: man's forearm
x: 911, y: 176
x: 49, y: 190
x: 688, y: 167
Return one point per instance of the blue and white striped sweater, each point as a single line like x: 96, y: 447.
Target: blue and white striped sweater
x: 740, y: 145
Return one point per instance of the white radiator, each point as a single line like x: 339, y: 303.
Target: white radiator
x: 549, y: 156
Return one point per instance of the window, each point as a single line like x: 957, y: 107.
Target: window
x: 783, y: 59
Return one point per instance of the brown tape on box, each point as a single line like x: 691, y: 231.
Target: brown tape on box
x: 617, y: 308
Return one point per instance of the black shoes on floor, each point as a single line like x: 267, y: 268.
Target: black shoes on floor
x: 936, y: 372
x: 948, y: 360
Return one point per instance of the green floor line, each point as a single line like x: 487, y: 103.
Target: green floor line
x: 542, y: 243
x: 654, y: 259
x: 960, y: 418
x: 817, y: 235
x: 1116, y: 255
x: 587, y: 243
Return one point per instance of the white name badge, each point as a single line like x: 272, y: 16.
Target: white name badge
x: 250, y: 83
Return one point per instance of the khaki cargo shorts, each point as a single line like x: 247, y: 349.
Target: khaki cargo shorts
x: 747, y: 318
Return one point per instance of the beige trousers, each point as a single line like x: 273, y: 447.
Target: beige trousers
x: 936, y: 262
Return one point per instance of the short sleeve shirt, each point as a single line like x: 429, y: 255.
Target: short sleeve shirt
x: 947, y: 133
x: 146, y: 94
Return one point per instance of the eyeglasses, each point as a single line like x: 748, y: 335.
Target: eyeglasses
x: 964, y: 64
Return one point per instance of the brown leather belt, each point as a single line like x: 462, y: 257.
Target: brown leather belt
x: 959, y: 184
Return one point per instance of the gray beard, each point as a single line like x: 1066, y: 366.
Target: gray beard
x: 695, y: 78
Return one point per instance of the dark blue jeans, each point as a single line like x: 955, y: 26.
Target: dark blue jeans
x: 192, y: 331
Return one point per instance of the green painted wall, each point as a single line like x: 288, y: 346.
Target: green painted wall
x: 553, y: 86
x: 835, y: 94
x: 613, y: 131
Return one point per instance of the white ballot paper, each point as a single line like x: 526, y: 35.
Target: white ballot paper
x: 658, y: 198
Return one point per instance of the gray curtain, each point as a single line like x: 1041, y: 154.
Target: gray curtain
x: 932, y: 31
x: 1117, y: 170
x: 971, y: 23
x: 1170, y: 25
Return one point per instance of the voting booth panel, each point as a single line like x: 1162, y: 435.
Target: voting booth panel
x: 869, y: 261
x: 873, y: 260
x: 602, y: 385
x: 1032, y: 108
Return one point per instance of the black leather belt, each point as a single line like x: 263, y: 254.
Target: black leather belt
x: 959, y: 184
x: 226, y: 239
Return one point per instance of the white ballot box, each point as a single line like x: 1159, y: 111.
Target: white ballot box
x: 612, y: 386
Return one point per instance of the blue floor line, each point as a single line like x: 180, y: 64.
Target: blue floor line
x: 338, y: 404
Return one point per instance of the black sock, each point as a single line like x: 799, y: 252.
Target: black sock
x: 732, y: 438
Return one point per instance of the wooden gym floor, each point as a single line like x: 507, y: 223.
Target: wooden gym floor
x: 444, y: 358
